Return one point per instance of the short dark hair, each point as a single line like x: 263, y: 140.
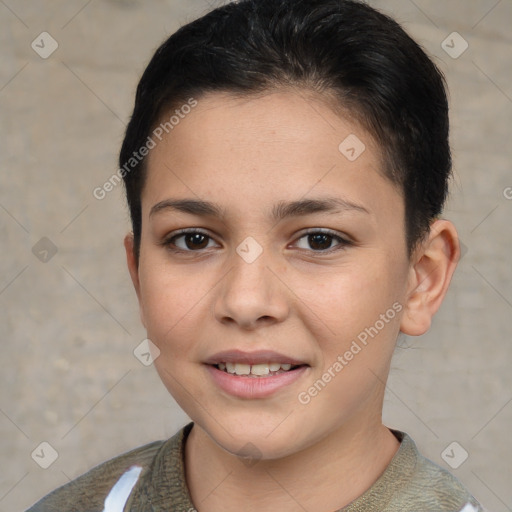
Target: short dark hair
x: 341, y: 49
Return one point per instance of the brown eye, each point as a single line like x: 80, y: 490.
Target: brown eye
x: 319, y: 241
x: 196, y: 241
x: 189, y: 241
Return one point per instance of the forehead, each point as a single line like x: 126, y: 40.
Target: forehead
x: 282, y: 116
x: 283, y: 143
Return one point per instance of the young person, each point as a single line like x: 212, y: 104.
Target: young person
x: 286, y: 166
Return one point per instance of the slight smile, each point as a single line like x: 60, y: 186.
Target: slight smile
x: 254, y: 374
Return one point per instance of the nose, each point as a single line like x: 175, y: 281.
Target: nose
x: 251, y: 295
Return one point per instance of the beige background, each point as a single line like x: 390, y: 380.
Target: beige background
x: 70, y: 325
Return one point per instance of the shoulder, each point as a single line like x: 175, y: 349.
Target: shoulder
x: 88, y: 492
x: 412, y: 483
x: 429, y: 487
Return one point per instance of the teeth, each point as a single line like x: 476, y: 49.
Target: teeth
x: 260, y: 369
x: 255, y: 369
x: 242, y: 369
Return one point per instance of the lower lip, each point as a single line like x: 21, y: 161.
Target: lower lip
x: 254, y: 387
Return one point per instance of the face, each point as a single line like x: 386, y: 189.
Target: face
x: 293, y: 267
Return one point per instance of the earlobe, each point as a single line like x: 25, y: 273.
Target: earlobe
x: 430, y: 274
x: 133, y: 268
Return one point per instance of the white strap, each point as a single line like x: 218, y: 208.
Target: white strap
x: 469, y: 508
x: 119, y: 494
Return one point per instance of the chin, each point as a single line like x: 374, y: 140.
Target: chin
x: 255, y: 438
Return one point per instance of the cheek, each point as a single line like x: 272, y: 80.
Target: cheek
x: 361, y: 302
x: 350, y: 295
x: 171, y: 300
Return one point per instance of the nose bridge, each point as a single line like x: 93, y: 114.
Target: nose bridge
x: 250, y: 292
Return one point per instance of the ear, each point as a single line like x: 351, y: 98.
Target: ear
x: 133, y: 268
x: 432, y: 267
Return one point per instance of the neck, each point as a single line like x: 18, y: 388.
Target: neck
x: 339, y: 468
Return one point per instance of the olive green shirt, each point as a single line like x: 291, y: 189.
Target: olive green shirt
x: 410, y: 483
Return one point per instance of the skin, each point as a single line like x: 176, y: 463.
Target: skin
x: 246, y: 155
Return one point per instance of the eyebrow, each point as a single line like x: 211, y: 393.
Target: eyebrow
x: 280, y: 210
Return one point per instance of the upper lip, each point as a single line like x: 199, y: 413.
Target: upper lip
x: 256, y: 357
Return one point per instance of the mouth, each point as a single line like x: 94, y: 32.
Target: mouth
x: 256, y: 370
x: 251, y: 375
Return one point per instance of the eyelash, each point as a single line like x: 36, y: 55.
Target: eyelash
x: 169, y: 241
